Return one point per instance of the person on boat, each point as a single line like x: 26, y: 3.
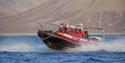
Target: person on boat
x: 86, y: 34
x: 66, y: 27
x: 76, y: 31
x: 72, y: 27
x: 79, y: 29
x: 61, y: 28
x: 79, y: 32
x: 69, y: 29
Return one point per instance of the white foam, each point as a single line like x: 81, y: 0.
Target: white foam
x: 14, y: 47
x: 23, y: 47
x: 112, y: 46
x: 115, y: 46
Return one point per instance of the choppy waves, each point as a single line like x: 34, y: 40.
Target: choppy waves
x: 34, y: 44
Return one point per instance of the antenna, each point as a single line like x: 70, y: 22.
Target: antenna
x: 100, y: 20
x: 100, y: 24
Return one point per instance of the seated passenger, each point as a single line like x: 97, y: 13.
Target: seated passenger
x: 66, y: 27
x: 86, y: 34
x: 61, y: 28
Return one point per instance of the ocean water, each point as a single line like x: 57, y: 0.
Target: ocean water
x: 31, y: 49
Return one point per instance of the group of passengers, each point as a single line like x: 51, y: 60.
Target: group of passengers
x: 73, y: 30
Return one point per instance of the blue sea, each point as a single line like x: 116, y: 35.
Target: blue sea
x: 31, y: 49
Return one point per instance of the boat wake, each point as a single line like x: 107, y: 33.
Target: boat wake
x: 23, y: 47
x: 111, y: 46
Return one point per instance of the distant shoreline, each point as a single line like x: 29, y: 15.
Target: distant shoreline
x: 13, y: 34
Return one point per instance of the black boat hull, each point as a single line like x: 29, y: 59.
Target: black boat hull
x: 55, y: 42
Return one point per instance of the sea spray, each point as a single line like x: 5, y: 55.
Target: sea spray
x: 34, y: 44
x: 16, y: 47
x: 111, y: 46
